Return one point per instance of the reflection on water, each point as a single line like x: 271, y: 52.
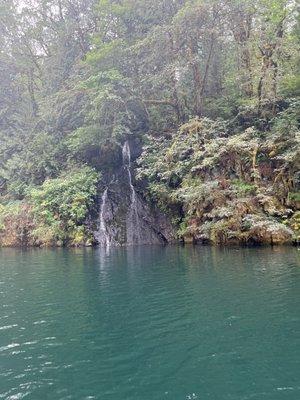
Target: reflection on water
x: 150, y: 322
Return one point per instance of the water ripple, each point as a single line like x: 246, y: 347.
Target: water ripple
x: 150, y: 323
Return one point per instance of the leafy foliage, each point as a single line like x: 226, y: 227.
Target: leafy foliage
x: 210, y: 87
x: 61, y: 206
x: 220, y: 179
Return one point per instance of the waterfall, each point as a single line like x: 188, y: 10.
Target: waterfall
x: 132, y: 224
x: 103, y: 235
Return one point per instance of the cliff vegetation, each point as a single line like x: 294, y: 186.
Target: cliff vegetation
x: 205, y: 92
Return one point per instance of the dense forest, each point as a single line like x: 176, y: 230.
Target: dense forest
x: 177, y: 116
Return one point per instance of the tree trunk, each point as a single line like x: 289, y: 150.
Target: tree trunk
x: 178, y: 105
x: 197, y: 77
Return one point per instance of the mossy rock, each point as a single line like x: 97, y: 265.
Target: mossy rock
x: 268, y: 231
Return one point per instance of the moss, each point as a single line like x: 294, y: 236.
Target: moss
x: 183, y: 229
x: 294, y: 196
x: 243, y: 188
x: 294, y: 224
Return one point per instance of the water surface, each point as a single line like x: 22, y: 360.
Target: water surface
x: 150, y: 323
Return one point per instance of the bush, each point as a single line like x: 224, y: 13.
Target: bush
x: 16, y: 224
x: 61, y: 206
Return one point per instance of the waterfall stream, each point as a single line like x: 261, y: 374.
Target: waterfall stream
x: 132, y: 224
x: 124, y: 217
x: 103, y: 235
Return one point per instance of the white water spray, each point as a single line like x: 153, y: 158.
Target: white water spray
x: 103, y: 235
x: 133, y: 226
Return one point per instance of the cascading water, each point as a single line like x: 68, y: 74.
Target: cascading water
x: 124, y: 216
x: 104, y: 239
x: 132, y: 223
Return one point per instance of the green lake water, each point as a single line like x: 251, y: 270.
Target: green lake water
x: 150, y: 323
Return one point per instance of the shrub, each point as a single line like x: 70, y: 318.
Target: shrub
x: 16, y: 224
x: 61, y: 206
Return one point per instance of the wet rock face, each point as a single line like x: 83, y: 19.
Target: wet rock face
x: 150, y: 226
x: 125, y: 218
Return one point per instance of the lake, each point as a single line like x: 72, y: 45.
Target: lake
x: 150, y: 323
